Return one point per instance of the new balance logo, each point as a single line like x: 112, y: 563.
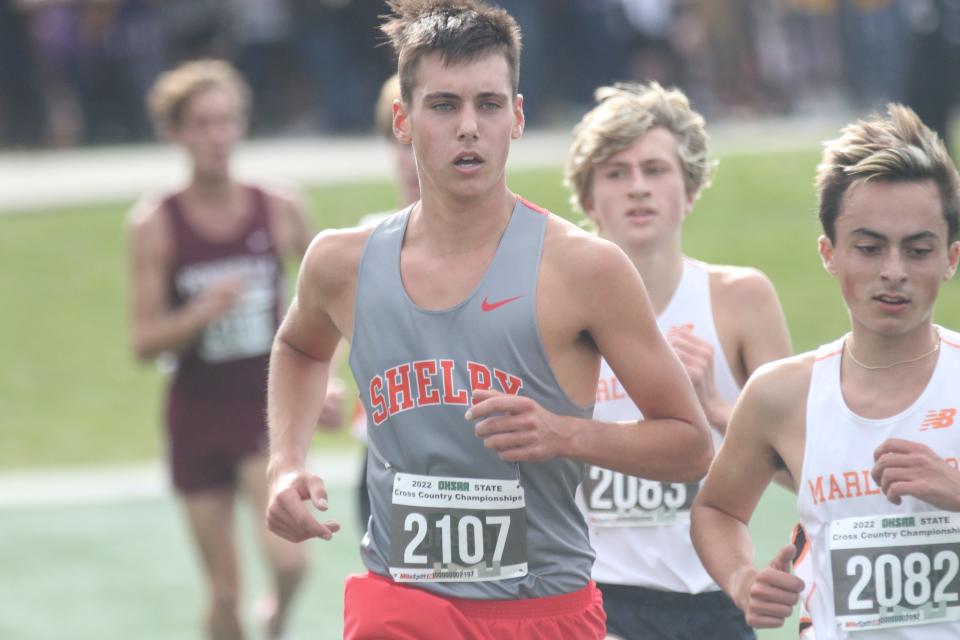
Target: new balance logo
x: 938, y: 419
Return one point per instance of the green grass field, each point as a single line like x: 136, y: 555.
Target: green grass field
x: 126, y: 570
x: 71, y: 394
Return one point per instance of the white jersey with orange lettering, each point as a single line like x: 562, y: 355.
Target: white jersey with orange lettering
x: 879, y: 570
x: 640, y: 528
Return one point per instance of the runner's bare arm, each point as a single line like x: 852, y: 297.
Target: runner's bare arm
x: 907, y: 468
x: 751, y: 326
x: 741, y: 472
x: 748, y: 298
x: 156, y: 328
x: 291, y: 224
x: 765, y: 334
x: 299, y: 368
x: 294, y: 231
x: 605, y: 300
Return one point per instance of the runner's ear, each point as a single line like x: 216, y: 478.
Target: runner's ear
x: 953, y: 256
x: 401, y: 123
x: 825, y: 247
x: 519, y: 119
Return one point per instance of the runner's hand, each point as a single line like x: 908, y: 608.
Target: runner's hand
x: 287, y: 515
x: 517, y: 428
x: 768, y: 596
x: 219, y: 298
x: 696, y: 356
x: 906, y: 468
x: 331, y: 416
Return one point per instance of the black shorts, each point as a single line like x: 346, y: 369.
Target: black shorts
x: 638, y: 613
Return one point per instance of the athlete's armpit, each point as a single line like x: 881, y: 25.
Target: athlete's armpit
x: 674, y: 445
x: 765, y: 435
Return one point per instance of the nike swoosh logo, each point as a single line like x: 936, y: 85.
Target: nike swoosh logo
x: 490, y: 306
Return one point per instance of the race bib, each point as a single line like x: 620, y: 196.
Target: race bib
x: 457, y: 529
x: 617, y: 500
x: 244, y: 331
x: 895, y: 571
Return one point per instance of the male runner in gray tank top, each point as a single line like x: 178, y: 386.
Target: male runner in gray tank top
x: 477, y: 322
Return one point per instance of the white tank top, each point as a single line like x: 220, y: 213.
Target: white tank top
x: 640, y: 529
x: 874, y: 564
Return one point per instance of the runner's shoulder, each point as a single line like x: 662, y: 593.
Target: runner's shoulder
x: 148, y: 226
x: 736, y: 285
x: 148, y: 211
x: 279, y: 194
x: 333, y: 257
x: 779, y: 387
x: 582, y: 256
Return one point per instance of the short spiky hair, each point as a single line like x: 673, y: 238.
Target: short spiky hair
x: 173, y: 89
x: 623, y: 114
x: 459, y: 30
x: 898, y: 147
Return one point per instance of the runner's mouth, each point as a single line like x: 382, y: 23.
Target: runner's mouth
x: 891, y: 299
x: 468, y: 160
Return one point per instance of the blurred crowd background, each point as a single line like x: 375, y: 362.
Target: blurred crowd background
x: 75, y: 72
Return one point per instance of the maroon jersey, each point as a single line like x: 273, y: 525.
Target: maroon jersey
x: 216, y: 409
x: 231, y: 354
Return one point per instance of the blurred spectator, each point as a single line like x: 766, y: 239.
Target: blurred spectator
x: 21, y: 103
x: 529, y: 15
x: 106, y: 81
x: 194, y: 29
x: 315, y: 65
x: 933, y: 76
x: 814, y: 79
x: 96, y: 60
x: 876, y: 39
x: 262, y: 32
x: 733, y: 68
x: 55, y: 30
x: 774, y: 64
x: 645, y: 28
x: 337, y: 41
x: 583, y: 54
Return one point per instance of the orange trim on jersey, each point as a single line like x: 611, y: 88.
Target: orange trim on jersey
x: 535, y: 207
x: 829, y: 355
x: 806, y: 601
x: 954, y: 345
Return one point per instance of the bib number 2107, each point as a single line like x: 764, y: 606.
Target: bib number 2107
x: 457, y: 529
